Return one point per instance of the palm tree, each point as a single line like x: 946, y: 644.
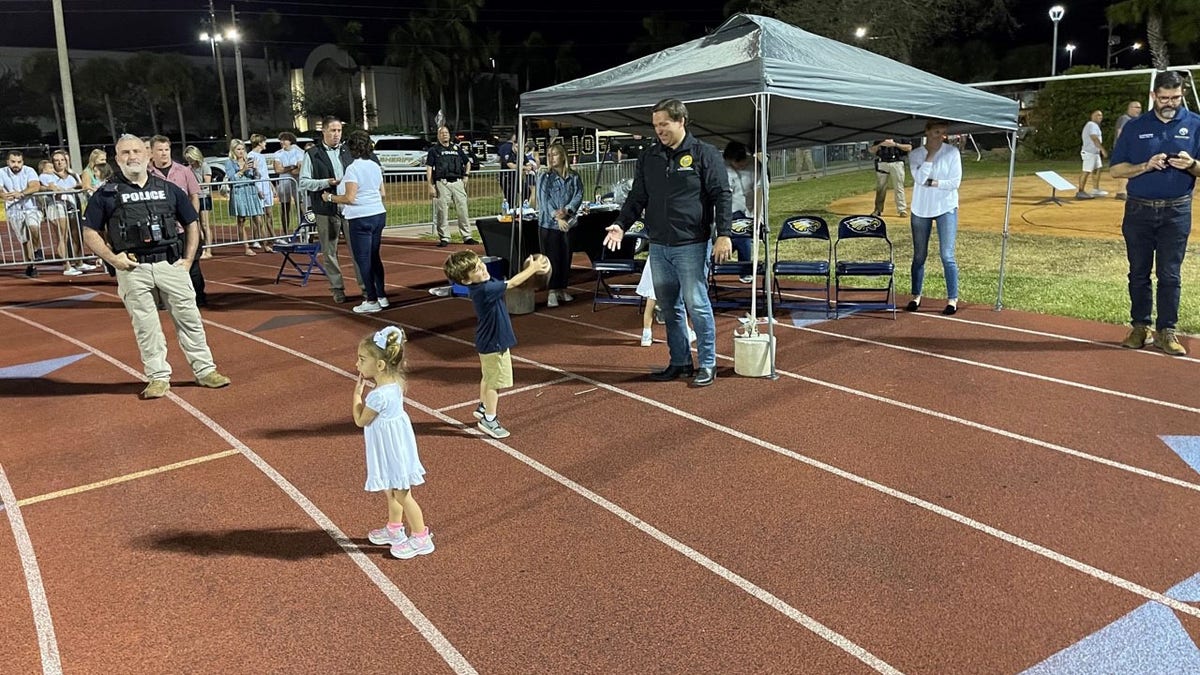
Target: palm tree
x: 658, y: 33
x: 171, y: 77
x: 39, y: 77
x: 349, y: 38
x: 412, y: 45
x: 532, y: 57
x: 456, y: 19
x: 96, y: 79
x: 1182, y: 30
x: 566, y: 66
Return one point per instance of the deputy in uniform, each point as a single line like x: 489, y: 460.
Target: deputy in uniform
x: 889, y: 168
x: 1157, y: 153
x: 447, y: 169
x: 322, y: 170
x: 130, y: 223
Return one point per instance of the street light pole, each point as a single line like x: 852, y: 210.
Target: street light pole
x: 236, y: 36
x: 214, y: 37
x: 1070, y: 55
x: 1056, y: 15
x: 64, y: 75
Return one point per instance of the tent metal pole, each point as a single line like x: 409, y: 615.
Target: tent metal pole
x: 764, y: 217
x: 1012, y: 161
x: 516, y: 246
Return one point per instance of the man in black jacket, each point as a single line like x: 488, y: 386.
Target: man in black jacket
x: 321, y: 172
x: 682, y: 186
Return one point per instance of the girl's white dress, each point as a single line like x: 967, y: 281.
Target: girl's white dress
x: 392, y: 460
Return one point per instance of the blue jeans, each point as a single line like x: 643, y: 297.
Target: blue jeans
x: 681, y: 280
x: 947, y: 226
x: 1155, y: 237
x: 365, y: 236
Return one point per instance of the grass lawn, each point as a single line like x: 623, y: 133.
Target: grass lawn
x: 1066, y: 276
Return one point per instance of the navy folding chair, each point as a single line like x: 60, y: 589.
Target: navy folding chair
x: 306, y: 252
x: 810, y: 252
x: 725, y: 286
x: 617, y: 272
x: 860, y: 252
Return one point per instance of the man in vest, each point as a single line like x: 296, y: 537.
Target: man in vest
x: 889, y: 168
x: 324, y: 164
x: 130, y: 224
x: 446, y: 169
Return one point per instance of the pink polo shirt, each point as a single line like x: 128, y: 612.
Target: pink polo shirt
x: 181, y: 176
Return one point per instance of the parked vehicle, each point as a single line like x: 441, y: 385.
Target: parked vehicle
x: 217, y: 162
x: 399, y: 154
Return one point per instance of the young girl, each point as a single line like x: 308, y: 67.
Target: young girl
x: 392, y: 462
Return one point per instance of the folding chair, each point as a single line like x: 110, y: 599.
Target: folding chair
x: 622, y: 266
x: 300, y: 244
x: 724, y: 293
x: 871, y: 228
x: 807, y: 233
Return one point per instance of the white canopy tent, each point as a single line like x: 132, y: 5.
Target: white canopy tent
x: 771, y: 85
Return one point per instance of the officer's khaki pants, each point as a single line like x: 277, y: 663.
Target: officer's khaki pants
x: 893, y: 172
x: 447, y: 192
x: 328, y: 228
x: 136, y: 289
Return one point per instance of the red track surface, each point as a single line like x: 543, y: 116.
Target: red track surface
x: 926, y: 495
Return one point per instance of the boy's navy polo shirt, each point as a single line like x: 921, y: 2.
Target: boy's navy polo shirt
x: 495, y: 332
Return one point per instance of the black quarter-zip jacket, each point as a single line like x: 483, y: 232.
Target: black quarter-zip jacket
x: 684, y: 193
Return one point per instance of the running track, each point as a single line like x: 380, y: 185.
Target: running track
x: 986, y: 493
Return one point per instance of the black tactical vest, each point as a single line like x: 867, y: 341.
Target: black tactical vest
x: 449, y: 163
x: 143, y: 218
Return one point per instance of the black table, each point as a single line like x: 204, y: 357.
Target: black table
x: 501, y: 238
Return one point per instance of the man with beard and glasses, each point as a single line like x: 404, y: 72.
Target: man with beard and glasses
x: 130, y: 223
x: 17, y: 185
x: 1157, y: 152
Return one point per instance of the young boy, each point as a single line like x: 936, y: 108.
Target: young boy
x: 494, y: 334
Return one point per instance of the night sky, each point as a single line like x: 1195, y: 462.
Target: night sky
x: 601, y: 32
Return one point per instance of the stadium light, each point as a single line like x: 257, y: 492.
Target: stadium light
x: 1070, y: 55
x: 1056, y: 15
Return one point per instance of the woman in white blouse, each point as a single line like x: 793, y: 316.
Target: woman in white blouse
x: 360, y: 193
x: 937, y: 173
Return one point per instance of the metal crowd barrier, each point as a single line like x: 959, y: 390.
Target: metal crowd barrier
x: 56, y: 239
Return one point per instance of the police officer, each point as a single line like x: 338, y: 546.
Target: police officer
x: 889, y: 168
x: 1157, y: 153
x: 683, y: 187
x: 130, y: 223
x: 324, y: 164
x: 447, y: 169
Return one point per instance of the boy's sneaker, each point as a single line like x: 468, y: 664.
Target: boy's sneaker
x: 552, y: 299
x: 1166, y: 340
x: 383, y: 302
x: 418, y: 544
x: 647, y: 337
x: 385, y: 537
x: 492, y: 428
x: 479, y: 412
x: 367, y: 307
x: 1139, y: 337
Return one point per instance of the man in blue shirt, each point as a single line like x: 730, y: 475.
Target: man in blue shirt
x: 1157, y: 152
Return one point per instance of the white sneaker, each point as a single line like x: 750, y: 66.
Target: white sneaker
x: 71, y: 272
x: 1098, y: 193
x: 85, y: 267
x: 256, y: 245
x: 691, y: 334
x: 552, y: 299
x: 367, y: 307
x: 385, y: 537
x: 565, y: 296
x: 383, y: 302
x: 647, y: 337
x: 746, y: 279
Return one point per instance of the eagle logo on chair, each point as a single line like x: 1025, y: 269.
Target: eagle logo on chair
x: 742, y: 226
x: 864, y: 224
x: 803, y: 225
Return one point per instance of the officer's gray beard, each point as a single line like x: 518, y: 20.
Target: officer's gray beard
x: 134, y: 172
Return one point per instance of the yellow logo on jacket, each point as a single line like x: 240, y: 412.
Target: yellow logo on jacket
x: 685, y: 161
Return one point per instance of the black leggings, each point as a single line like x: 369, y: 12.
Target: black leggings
x: 557, y: 247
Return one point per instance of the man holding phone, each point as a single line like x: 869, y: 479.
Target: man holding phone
x: 1157, y: 154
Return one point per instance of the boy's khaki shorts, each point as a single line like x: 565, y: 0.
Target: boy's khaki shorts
x: 497, y: 369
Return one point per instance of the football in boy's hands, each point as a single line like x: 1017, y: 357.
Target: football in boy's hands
x: 540, y: 263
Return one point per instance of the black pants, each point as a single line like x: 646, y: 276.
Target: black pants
x: 198, y: 281
x: 557, y: 247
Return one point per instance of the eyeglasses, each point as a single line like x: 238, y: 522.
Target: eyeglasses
x: 1169, y: 99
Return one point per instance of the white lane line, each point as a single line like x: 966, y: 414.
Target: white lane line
x: 999, y: 369
x: 423, y: 625
x: 1056, y: 336
x: 127, y: 477
x: 47, y: 642
x: 507, y: 392
x: 759, y: 593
